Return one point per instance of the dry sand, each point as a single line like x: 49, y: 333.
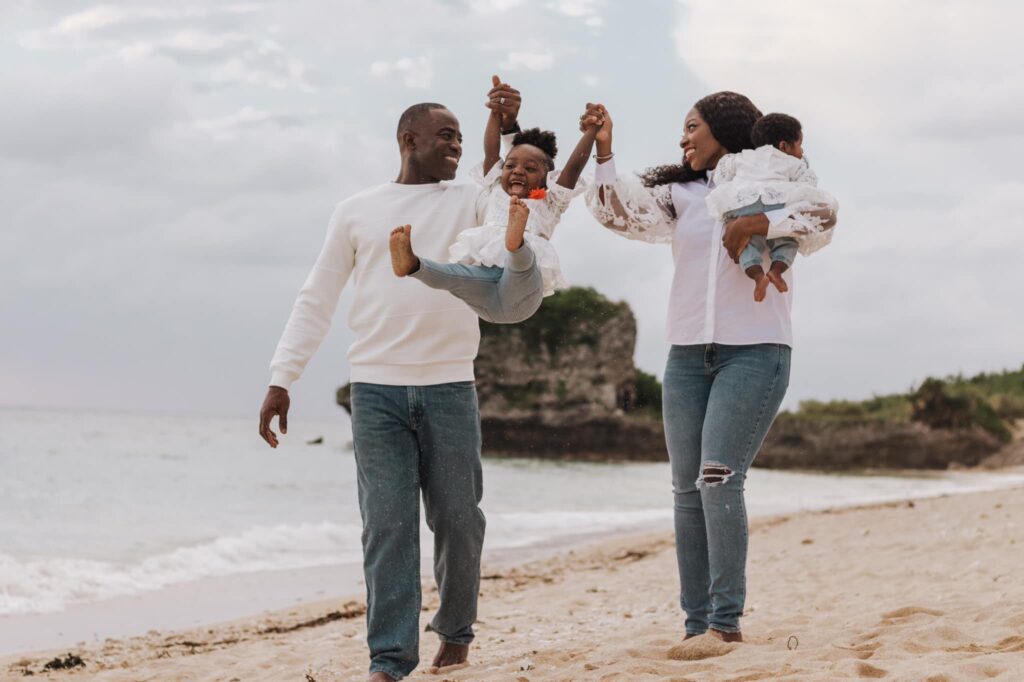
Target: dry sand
x: 926, y: 590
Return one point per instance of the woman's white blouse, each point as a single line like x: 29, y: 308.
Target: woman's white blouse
x: 712, y: 299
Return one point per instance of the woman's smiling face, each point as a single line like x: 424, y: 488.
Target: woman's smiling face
x: 700, y: 148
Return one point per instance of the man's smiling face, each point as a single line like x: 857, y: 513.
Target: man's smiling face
x: 438, y: 144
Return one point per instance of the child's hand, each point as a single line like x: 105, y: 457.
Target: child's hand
x: 592, y: 117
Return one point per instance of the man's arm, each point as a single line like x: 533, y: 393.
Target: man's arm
x: 308, y: 324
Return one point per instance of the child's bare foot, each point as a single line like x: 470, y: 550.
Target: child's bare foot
x: 403, y: 260
x: 756, y: 273
x: 518, y: 213
x: 761, y: 287
x: 775, y: 276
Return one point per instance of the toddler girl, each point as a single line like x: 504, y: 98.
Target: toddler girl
x: 505, y: 267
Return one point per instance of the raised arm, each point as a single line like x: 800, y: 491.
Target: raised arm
x: 492, y: 141
x: 571, y: 172
x: 623, y: 204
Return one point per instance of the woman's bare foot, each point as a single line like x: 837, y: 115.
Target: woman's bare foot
x: 518, y: 213
x: 775, y: 277
x: 381, y: 677
x: 726, y: 636
x: 450, y: 654
x: 403, y: 260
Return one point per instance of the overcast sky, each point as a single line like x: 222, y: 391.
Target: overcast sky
x: 167, y: 171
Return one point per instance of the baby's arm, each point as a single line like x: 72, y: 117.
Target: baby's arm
x: 492, y: 142
x: 571, y: 173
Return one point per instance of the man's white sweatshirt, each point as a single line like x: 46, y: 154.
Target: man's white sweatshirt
x: 407, y: 334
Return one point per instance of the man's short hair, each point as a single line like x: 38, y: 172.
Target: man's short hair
x: 411, y: 116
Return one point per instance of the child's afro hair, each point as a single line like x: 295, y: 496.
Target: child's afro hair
x: 542, y: 139
x: 775, y: 128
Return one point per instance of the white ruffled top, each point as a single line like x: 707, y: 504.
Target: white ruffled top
x: 485, y: 244
x: 764, y: 173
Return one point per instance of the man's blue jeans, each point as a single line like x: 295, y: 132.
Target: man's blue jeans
x: 409, y: 439
x: 719, y: 402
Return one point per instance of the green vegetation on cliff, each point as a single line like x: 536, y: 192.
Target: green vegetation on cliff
x: 987, y: 401
x: 566, y: 318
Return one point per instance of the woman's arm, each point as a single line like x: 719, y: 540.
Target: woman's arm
x: 623, y: 204
x: 810, y: 223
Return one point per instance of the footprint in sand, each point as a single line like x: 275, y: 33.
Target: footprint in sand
x: 868, y: 670
x: 699, y: 648
x: 908, y: 611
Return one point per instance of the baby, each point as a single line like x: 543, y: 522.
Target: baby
x: 772, y: 176
x: 504, y: 268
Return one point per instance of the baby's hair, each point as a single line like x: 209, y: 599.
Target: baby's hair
x: 543, y: 140
x: 775, y: 128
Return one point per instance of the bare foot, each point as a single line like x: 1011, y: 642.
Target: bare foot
x: 380, y: 677
x: 775, y: 277
x: 727, y: 636
x: 690, y: 635
x: 450, y: 654
x: 518, y: 213
x: 403, y: 260
x: 761, y: 287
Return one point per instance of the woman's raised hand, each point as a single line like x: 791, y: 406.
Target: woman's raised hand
x: 597, y: 115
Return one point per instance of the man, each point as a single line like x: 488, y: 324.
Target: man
x: 415, y: 422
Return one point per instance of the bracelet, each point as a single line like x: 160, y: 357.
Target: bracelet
x: 605, y: 157
x: 514, y: 129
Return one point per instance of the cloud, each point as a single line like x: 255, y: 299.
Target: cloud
x: 587, y: 10
x: 533, y: 58
x: 416, y: 73
x: 223, y: 45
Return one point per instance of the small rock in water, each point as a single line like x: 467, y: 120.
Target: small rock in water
x: 319, y: 440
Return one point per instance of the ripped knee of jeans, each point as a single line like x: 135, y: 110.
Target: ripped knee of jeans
x: 714, y: 474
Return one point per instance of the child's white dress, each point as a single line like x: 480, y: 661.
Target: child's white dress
x: 485, y: 245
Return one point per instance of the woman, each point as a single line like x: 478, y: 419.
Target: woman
x: 728, y: 368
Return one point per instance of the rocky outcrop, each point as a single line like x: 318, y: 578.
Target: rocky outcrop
x: 563, y: 385
x: 795, y: 443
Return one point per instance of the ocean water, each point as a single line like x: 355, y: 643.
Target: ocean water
x: 97, y: 506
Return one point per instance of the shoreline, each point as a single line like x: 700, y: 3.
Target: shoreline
x: 615, y: 581
x: 251, y: 595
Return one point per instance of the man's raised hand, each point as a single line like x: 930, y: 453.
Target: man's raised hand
x: 276, y: 403
x: 505, y: 100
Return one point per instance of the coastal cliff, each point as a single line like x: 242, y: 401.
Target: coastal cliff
x: 563, y: 384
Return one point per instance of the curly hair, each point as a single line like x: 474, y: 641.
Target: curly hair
x: 775, y: 128
x: 730, y: 116
x: 543, y: 140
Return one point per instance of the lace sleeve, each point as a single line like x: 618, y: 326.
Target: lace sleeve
x: 631, y: 210
x: 811, y: 223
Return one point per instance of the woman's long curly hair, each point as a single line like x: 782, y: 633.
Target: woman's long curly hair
x: 730, y: 116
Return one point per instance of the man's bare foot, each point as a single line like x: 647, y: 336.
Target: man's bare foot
x: 761, y: 287
x: 403, y: 260
x: 727, y: 636
x: 450, y: 654
x: 518, y: 213
x: 775, y: 277
x: 380, y: 677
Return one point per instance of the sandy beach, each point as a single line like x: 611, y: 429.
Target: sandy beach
x: 923, y: 590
